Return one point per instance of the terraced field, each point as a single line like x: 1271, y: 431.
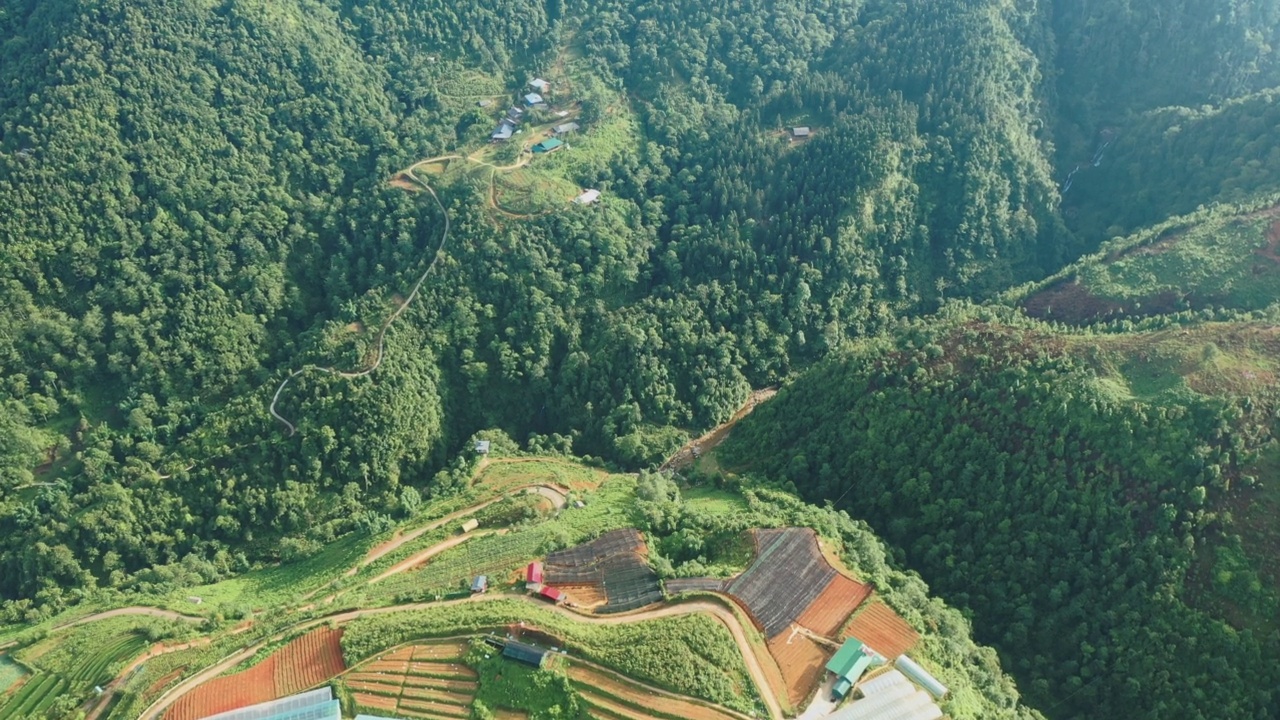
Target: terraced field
x: 417, y: 681
x: 609, y: 696
x: 71, y: 673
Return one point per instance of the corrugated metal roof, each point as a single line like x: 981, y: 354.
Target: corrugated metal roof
x: 867, y: 707
x: 524, y: 653
x: 845, y: 657
x: 881, y: 708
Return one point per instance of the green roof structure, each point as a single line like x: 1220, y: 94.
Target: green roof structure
x: 848, y: 664
x: 845, y: 657
x: 548, y: 145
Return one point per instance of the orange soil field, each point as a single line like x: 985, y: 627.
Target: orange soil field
x: 611, y: 709
x: 801, y: 662
x: 588, y: 679
x: 827, y: 613
x: 306, y: 662
x: 417, y: 681
x: 434, y: 708
x: 880, y: 627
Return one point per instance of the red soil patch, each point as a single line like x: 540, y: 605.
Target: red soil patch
x: 880, y: 627
x: 163, y: 682
x: 827, y: 613
x: 801, y: 661
x: 592, y: 679
x: 374, y: 702
x: 443, y: 651
x: 304, y: 663
x: 435, y: 708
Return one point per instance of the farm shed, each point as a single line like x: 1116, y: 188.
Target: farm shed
x: 470, y: 525
x: 532, y: 99
x: 566, y: 128
x: 587, y: 197
x: 799, y: 132
x: 482, y: 446
x: 552, y: 594
x: 921, y: 676
x: 313, y: 705
x: 533, y: 573
x: 503, y: 133
x: 480, y: 584
x: 539, y: 84
x: 524, y: 653
x: 848, y: 664
x: 548, y: 145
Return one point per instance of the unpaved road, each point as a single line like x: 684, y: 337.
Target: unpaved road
x: 725, y: 616
x: 136, y: 610
x: 418, y: 558
x: 552, y: 493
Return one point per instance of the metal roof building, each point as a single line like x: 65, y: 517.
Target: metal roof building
x: 550, y: 593
x: 565, y: 128
x: 533, y: 573
x: 586, y: 198
x: 533, y: 99
x: 524, y: 653
x: 848, y: 664
x: 548, y: 145
x: 890, y: 696
x: 469, y: 525
x: 313, y: 705
x: 480, y: 584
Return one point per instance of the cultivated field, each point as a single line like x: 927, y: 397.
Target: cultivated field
x: 801, y: 661
x: 600, y: 688
x: 880, y: 627
x: 613, y: 564
x: 70, y: 664
x: 788, y: 574
x: 304, y: 663
x: 833, y: 606
x: 425, y: 680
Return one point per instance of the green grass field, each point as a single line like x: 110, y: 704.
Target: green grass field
x: 10, y: 673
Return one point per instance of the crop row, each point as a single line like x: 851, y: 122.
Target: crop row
x: 34, y: 697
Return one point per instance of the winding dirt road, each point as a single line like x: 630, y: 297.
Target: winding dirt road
x: 719, y: 612
x: 380, y: 351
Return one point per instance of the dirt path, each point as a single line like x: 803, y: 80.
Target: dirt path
x: 725, y: 616
x: 125, y: 611
x: 380, y: 345
x: 380, y: 551
x: 417, y: 559
x: 692, y: 450
x: 156, y: 650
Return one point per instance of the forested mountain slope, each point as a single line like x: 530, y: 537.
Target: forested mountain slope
x: 1073, y: 492
x: 197, y: 203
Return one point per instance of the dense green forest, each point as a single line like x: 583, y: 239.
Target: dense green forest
x: 1075, y: 502
x: 196, y: 204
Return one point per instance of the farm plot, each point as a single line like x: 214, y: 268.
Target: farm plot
x: 675, y: 586
x: 626, y: 540
x: 884, y: 630
x: 833, y: 606
x: 629, y: 583
x: 490, y: 555
x: 304, y: 663
x: 801, y: 661
x: 10, y: 673
x: 605, y: 690
x: 788, y: 574
x: 71, y: 664
x: 615, y: 564
x: 416, y: 681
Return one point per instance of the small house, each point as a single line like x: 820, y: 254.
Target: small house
x: 502, y: 134
x: 470, y: 525
x: 533, y: 573
x: 566, y: 128
x: 587, y: 197
x: 514, y: 114
x: 554, y: 595
x: 482, y: 447
x: 539, y: 85
x: 548, y: 145
x: 523, y: 652
x: 487, y: 102
x: 480, y: 584
x: 533, y: 99
x: 579, y: 504
x: 799, y: 133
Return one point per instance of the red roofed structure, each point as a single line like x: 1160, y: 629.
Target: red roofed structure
x: 534, y: 573
x: 551, y: 594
